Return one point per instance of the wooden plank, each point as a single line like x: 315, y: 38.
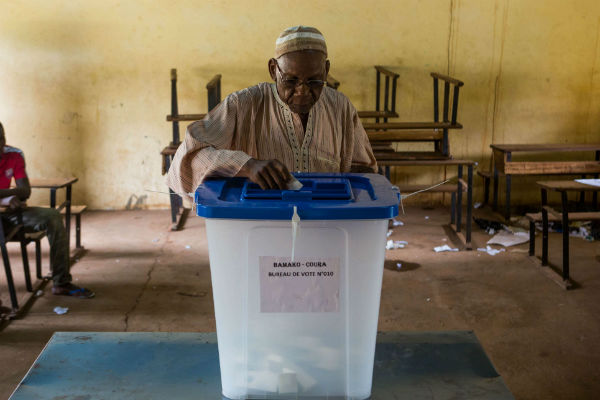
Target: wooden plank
x: 425, y: 162
x: 409, y: 155
x: 404, y: 136
x: 554, y: 215
x: 74, y: 210
x: 214, y: 81
x: 169, y: 150
x: 445, y: 188
x: 63, y: 210
x: 552, y: 211
x: 551, y: 167
x: 52, y: 183
x: 551, y: 274
x: 484, y: 174
x: 377, y: 114
x: 461, y: 237
x: 185, y: 117
x: 568, y: 186
x: 382, y: 147
x: 556, y: 147
x: 537, y: 217
x: 386, y: 71
x: 447, y: 78
x: 410, y: 125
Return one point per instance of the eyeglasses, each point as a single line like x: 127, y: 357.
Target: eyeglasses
x: 295, y: 82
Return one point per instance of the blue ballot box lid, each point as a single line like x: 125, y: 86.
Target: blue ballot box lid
x: 322, y: 197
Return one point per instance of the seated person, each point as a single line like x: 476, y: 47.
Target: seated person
x: 12, y: 165
x: 267, y: 130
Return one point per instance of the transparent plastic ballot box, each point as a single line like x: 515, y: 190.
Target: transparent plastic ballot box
x: 296, y: 277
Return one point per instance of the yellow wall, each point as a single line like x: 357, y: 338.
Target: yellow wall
x: 84, y: 85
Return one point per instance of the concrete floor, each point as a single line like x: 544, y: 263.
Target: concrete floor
x: 544, y: 341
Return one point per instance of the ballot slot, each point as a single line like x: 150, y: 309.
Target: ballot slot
x: 312, y: 189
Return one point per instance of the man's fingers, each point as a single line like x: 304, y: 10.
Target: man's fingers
x: 277, y: 177
x: 260, y: 182
x: 282, y: 173
x: 266, y: 176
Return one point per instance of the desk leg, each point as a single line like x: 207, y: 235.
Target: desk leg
x: 582, y: 197
x: 495, y: 205
x: 508, y: 187
x: 53, y: 198
x: 531, y: 238
x: 565, y: 223
x: 459, y: 200
x: 172, y: 196
x: 453, y: 209
x: 68, y: 216
x: 544, y: 227
x: 486, y: 188
x: 469, y: 203
x: 174, y: 206
x: 595, y: 194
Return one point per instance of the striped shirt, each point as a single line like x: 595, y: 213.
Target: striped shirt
x: 256, y: 123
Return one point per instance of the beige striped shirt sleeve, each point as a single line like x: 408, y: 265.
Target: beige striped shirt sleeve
x: 205, y: 150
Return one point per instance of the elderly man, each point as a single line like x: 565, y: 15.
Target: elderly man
x: 267, y: 130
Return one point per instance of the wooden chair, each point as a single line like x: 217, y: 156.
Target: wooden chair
x: 178, y: 212
x: 435, y: 131
x: 389, y: 98
x: 14, y: 234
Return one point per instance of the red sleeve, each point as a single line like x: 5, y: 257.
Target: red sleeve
x: 19, y: 167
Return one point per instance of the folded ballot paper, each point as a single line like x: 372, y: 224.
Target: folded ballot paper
x: 294, y: 184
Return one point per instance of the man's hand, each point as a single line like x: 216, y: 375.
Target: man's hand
x: 11, y: 202
x: 268, y: 174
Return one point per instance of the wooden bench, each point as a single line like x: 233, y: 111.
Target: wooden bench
x: 549, y: 214
x: 503, y: 165
x: 456, y: 189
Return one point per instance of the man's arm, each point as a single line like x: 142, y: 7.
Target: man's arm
x: 22, y: 191
x: 14, y: 198
x: 207, y: 152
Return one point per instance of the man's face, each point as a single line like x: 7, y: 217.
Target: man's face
x: 299, y: 67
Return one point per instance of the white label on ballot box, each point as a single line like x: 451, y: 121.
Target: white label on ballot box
x: 308, y: 284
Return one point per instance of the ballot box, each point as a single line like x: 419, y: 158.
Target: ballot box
x: 296, y: 277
